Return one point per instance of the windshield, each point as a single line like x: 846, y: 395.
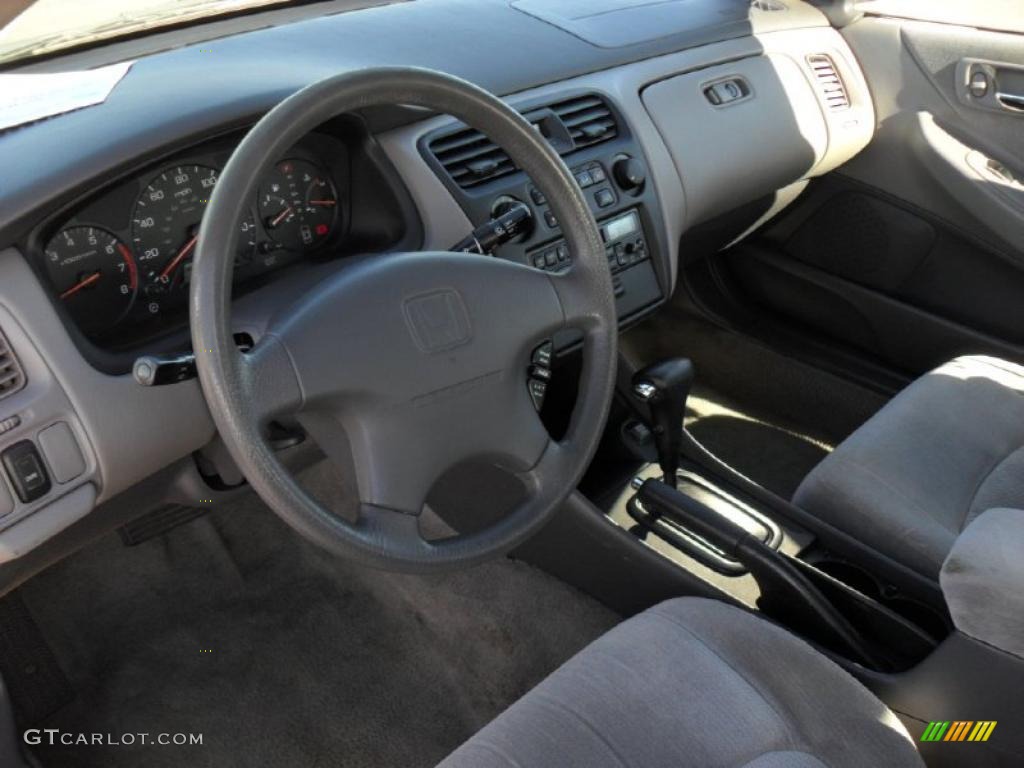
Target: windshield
x: 30, y: 28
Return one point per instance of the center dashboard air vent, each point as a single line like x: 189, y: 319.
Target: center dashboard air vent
x: 470, y: 158
x: 829, y: 82
x: 588, y: 119
x: 12, y: 378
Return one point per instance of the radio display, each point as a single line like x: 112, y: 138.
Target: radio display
x: 627, y: 224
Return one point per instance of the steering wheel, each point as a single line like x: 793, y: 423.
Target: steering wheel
x: 405, y: 365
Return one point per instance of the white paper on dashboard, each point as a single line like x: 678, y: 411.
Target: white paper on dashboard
x: 25, y: 98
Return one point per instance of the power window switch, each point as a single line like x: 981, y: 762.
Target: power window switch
x: 25, y: 469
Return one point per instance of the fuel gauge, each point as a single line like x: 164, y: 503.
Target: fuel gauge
x: 298, y: 205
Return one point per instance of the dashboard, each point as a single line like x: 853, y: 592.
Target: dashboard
x: 99, y: 208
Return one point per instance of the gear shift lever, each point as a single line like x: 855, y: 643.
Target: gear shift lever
x: 664, y: 387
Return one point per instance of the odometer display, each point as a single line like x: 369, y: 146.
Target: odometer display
x: 94, y: 275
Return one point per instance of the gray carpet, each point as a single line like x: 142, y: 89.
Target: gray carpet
x: 232, y: 627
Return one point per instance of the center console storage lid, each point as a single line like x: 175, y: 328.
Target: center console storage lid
x: 618, y: 23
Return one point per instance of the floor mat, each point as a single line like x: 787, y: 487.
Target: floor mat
x: 773, y: 453
x: 279, y: 655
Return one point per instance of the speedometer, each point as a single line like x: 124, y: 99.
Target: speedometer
x: 166, y: 224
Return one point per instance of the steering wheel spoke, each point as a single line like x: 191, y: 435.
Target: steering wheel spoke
x: 268, y: 381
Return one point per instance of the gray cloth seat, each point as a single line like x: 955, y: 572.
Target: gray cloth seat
x: 693, y: 682
x: 944, y: 450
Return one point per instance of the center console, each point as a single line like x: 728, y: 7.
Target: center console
x: 596, y: 143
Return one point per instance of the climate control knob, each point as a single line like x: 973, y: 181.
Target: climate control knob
x: 629, y: 174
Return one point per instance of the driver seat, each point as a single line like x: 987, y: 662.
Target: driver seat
x: 693, y: 682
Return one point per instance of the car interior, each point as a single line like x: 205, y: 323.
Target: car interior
x: 512, y: 383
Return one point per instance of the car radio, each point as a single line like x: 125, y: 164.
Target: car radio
x: 625, y: 246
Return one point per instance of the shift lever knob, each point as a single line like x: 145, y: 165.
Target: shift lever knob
x: 664, y: 387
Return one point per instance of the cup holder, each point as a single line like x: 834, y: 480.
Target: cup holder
x: 923, y: 616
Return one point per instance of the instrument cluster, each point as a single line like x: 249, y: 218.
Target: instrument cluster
x: 123, y: 262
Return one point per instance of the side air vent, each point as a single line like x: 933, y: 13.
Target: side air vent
x: 12, y: 378
x: 470, y: 158
x: 829, y: 82
x: 767, y: 5
x: 587, y: 118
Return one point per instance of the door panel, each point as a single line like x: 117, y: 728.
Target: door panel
x: 914, y: 250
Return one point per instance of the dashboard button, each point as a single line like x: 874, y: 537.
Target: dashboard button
x: 61, y: 450
x: 550, y: 220
x: 604, y: 198
x: 537, y: 196
x: 597, y: 174
x: 25, y: 468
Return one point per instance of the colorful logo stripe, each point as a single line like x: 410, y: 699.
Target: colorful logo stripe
x: 958, y: 730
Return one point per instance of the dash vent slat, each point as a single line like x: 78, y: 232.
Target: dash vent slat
x: 588, y: 119
x: 830, y: 84
x: 470, y: 158
x: 12, y: 377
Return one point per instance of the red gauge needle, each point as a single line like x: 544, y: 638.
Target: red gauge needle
x: 323, y: 202
x: 85, y: 282
x: 281, y: 216
x: 185, y: 251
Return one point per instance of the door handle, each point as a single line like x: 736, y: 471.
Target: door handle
x: 991, y: 85
x: 1011, y: 101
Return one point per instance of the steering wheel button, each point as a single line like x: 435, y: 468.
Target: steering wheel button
x: 537, y: 391
x: 542, y: 354
x: 540, y: 372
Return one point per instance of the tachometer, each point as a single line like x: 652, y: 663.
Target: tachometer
x: 94, y: 274
x: 298, y: 205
